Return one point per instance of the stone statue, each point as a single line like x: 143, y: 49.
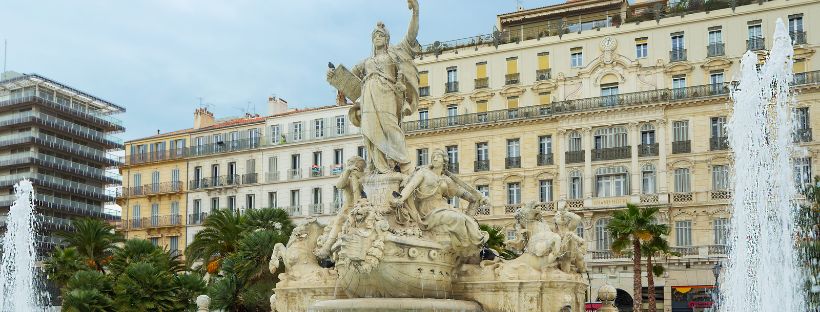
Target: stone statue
x: 300, y: 262
x: 423, y: 199
x: 203, y: 303
x: 573, y: 247
x: 350, y: 183
x: 389, y: 90
x: 541, y: 246
x: 361, y: 242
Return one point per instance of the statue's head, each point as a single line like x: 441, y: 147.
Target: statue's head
x: 439, y: 158
x: 380, y: 37
x: 356, y: 162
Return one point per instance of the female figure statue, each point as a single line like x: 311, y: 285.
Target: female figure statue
x: 389, y: 90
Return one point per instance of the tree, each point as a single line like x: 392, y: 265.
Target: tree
x: 496, y: 241
x: 94, y: 239
x: 657, y: 246
x: 629, y: 228
x: 88, y: 291
x: 62, y: 265
x: 808, y: 229
x: 218, y: 238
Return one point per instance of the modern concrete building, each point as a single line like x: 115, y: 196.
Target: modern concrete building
x: 61, y: 139
x: 591, y: 105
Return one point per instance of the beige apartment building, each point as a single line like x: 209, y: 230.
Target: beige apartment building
x: 590, y: 105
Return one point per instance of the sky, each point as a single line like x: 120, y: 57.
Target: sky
x: 157, y: 58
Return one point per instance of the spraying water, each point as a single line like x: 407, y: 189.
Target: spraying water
x: 763, y: 273
x: 17, y: 281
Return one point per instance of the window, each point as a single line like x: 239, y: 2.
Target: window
x: 452, y: 74
x: 296, y: 132
x: 611, y: 181
x: 231, y: 172
x: 197, y: 176
x: 316, y: 200
x: 544, y: 98
x: 683, y: 233
x: 648, y: 179
x: 197, y: 208
x: 716, y: 81
x: 603, y: 240
x: 513, y: 148
x: 682, y: 180
x: 720, y: 178
x: 512, y: 107
x: 576, y: 58
x: 173, y: 244
x: 512, y: 65
x: 232, y: 203
x: 362, y: 152
x: 484, y: 190
x: 755, y: 32
x: 721, y: 229
x: 576, y: 183
x: 802, y: 171
x: 135, y: 216
x: 678, y: 86
x: 250, y: 201
x: 678, y: 43
x: 294, y: 161
x: 318, y: 128
x: 341, y: 128
x: 276, y: 135
x: 647, y: 134
x: 715, y: 37
x: 545, y: 145
x: 796, y: 23
x: 214, y: 204
x: 513, y: 193
x: 580, y: 230
x: 480, y: 70
x: 317, y: 159
x: 574, y: 142
x: 175, y: 213
x: 718, y: 126
x: 802, y: 121
x: 511, y: 235
x: 424, y: 117
x: 545, y: 191
x: 452, y: 157
x: 680, y: 131
x: 338, y: 156
x: 154, y: 214
x: 214, y: 175
x: 155, y: 241
x: 610, y: 137
x: 273, y: 201
x: 641, y: 47
x: 294, y: 198
x: 155, y: 182
x: 609, y: 92
x: 421, y: 156
x: 338, y: 199
x: 482, y: 151
x: 452, y: 115
x: 715, y: 47
x: 175, y: 179
x: 481, y: 110
x: 453, y: 201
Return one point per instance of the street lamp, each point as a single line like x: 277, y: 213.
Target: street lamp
x: 716, y: 292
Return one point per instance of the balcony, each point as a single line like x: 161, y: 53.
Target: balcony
x: 681, y: 147
x: 197, y: 218
x: 715, y: 49
x: 294, y: 211
x: 294, y: 174
x: 512, y: 162
x: 450, y: 87
x: 272, y: 177
x: 317, y: 209
x: 250, y: 178
x: 720, y: 195
x: 452, y: 167
x: 798, y: 37
x: 61, y: 164
x: 73, y: 187
x: 482, y: 165
x: 424, y: 91
x: 682, y: 197
x: 686, y: 250
x: 677, y: 55
x: 512, y: 79
x: 336, y: 169
x: 545, y: 159
x: 718, y: 249
x: 78, y: 111
x: 648, y: 150
x: 543, y: 74
x: 482, y: 83
x: 215, y: 182
x: 718, y: 143
x: 756, y: 44
x: 511, y: 208
x: 612, y: 153
x: 574, y: 157
x: 152, y: 189
x: 151, y: 222
x: 317, y: 171
x: 802, y: 135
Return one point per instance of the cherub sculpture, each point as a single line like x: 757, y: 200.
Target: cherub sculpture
x: 350, y: 183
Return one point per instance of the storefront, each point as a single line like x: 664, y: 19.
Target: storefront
x: 692, y: 298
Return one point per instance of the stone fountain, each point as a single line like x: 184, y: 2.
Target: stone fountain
x: 397, y: 244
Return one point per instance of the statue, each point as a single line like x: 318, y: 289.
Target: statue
x: 361, y: 242
x: 300, y: 263
x: 387, y: 84
x: 541, y: 246
x: 350, y: 183
x: 573, y: 247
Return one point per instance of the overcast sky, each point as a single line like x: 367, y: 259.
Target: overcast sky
x: 158, y: 57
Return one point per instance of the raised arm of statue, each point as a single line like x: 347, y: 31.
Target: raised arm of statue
x: 413, y: 29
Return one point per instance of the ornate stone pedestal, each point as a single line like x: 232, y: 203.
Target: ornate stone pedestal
x: 395, y: 305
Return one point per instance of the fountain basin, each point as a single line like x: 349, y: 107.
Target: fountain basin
x: 395, y: 305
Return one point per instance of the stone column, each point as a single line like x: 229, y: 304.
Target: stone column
x: 660, y: 170
x: 635, y: 170
x: 560, y: 152
x: 588, y: 178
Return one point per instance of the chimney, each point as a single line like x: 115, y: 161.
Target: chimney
x: 276, y: 105
x: 203, y: 118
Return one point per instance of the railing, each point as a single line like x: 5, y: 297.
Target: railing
x: 152, y: 189
x: 649, y: 199
x: 483, y: 210
x: 798, y: 37
x: 60, y: 184
x: 802, y: 135
x: 715, y: 49
x: 545, y: 159
x: 60, y: 164
x: 153, y: 222
x: 65, y: 205
x: 60, y: 125
x: 718, y: 249
x: 272, y: 177
x: 450, y: 87
x: 317, y: 171
x: 605, y: 255
x: 482, y: 83
x: 512, y: 79
x: 612, y: 153
x: 574, y: 157
x: 575, y: 203
x: 511, y: 208
x: 682, y: 197
x: 452, y: 167
x: 543, y: 74
x: 681, y: 147
x: 336, y: 169
x: 250, y: 178
x: 294, y: 211
x: 197, y: 218
x: 57, y: 143
x: 646, y: 150
x: 424, y: 91
x: 512, y: 162
x: 720, y: 195
x: 481, y: 165
x: 755, y: 44
x: 215, y: 182
x: 718, y: 143
x: 317, y: 209
x: 294, y: 174
x: 686, y: 250
x: 93, y: 116
x: 546, y: 206
x: 677, y: 55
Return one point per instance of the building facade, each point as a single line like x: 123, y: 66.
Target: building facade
x: 61, y: 139
x: 590, y: 105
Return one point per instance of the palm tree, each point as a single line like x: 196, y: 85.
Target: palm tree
x: 94, y: 240
x: 146, y: 287
x: 88, y: 291
x: 495, y: 241
x: 62, y: 265
x: 219, y: 237
x: 657, y: 246
x: 628, y: 228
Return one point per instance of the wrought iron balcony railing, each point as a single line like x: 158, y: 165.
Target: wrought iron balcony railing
x: 677, y: 55
x: 543, y: 74
x: 64, y: 205
x: 646, y: 150
x: 574, y: 157
x: 802, y: 135
x: 76, y: 188
x: 97, y: 118
x: 152, y: 222
x: 250, y: 178
x: 718, y: 143
x: 215, y: 182
x: 152, y: 189
x: 545, y: 159
x: 715, y: 49
x: 482, y: 83
x: 317, y: 171
x: 612, y: 153
x: 512, y: 79
x: 450, y: 87
x: 512, y: 162
x: 197, y: 218
x: 317, y: 209
x: 756, y: 43
x: 681, y: 147
x: 294, y: 211
x: 60, y: 164
x: 49, y: 141
x: 798, y: 37
x: 482, y: 165
x: 294, y: 174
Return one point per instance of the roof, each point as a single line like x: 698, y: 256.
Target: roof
x: 568, y: 7
x: 162, y: 135
x: 107, y: 106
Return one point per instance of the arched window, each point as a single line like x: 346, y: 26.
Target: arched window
x: 574, y: 141
x: 603, y: 240
x: 610, y: 137
x: 576, y: 183
x: 611, y: 181
x: 648, y: 179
